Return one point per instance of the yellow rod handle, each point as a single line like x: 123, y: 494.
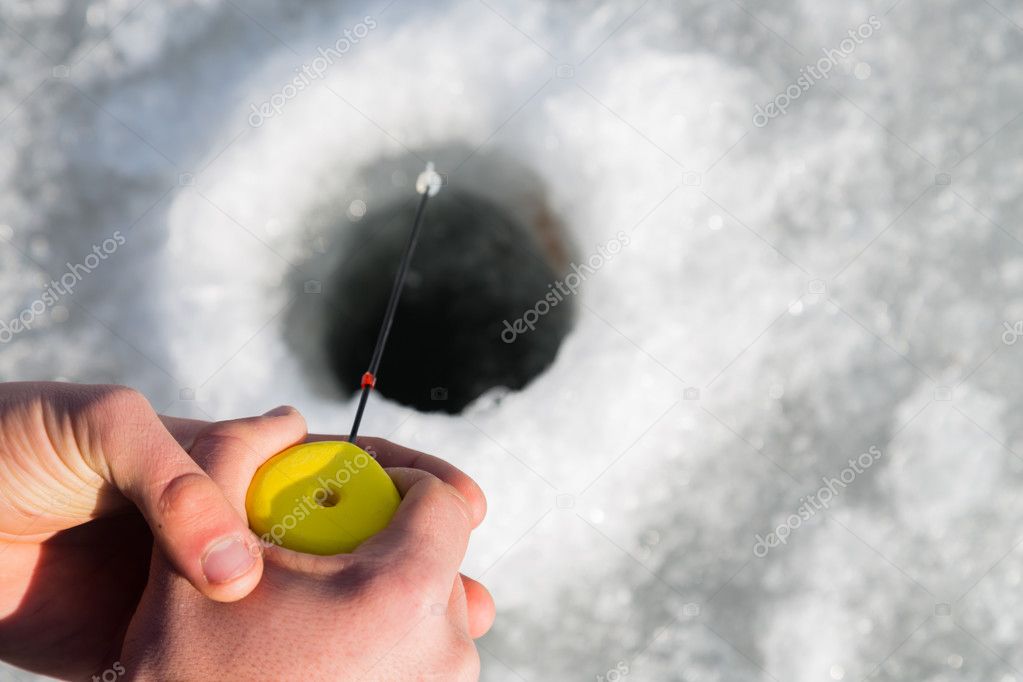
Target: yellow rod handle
x: 320, y: 498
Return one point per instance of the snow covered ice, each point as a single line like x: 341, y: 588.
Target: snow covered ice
x: 842, y: 277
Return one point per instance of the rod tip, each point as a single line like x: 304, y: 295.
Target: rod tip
x: 429, y: 181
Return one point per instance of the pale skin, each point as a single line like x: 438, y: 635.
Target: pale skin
x: 91, y: 475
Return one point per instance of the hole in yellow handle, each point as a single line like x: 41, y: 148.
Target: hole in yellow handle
x: 320, y: 498
x: 330, y: 499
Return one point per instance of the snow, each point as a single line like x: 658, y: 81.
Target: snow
x: 791, y: 295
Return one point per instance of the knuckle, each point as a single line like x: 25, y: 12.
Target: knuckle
x: 118, y: 402
x: 448, y: 504
x: 433, y: 486
x: 219, y: 443
x: 464, y: 512
x: 120, y: 419
x: 184, y: 500
x: 430, y: 513
x: 221, y: 438
x: 269, y: 420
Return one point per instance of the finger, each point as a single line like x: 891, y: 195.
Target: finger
x: 231, y: 451
x: 425, y: 542
x: 389, y: 455
x: 184, y: 430
x: 203, y: 534
x: 480, y: 606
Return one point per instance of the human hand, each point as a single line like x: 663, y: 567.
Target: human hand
x: 394, y: 609
x: 77, y: 463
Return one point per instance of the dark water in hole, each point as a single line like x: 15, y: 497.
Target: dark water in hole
x: 475, y: 267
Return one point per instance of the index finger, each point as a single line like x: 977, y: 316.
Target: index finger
x: 390, y: 455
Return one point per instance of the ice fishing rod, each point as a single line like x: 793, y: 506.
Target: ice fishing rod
x: 428, y: 184
x: 328, y: 497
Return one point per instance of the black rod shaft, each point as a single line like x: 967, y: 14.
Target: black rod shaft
x: 369, y: 379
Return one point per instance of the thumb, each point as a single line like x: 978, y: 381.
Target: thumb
x: 201, y: 533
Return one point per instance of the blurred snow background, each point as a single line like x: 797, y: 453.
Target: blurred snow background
x: 792, y: 295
